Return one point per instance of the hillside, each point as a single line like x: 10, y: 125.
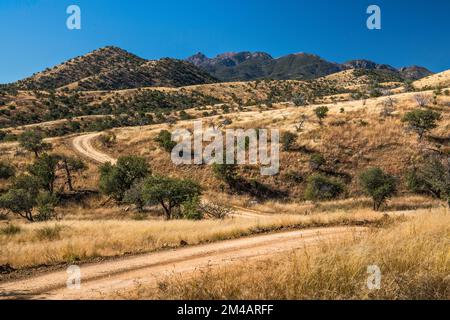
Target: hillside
x: 112, y: 68
x: 437, y: 80
x: 246, y: 66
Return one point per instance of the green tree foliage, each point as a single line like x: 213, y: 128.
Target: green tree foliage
x: 164, y: 139
x: 71, y: 165
x: 44, y: 169
x: 432, y: 176
x: 320, y: 187
x: 116, y: 179
x: 32, y: 140
x: 21, y: 197
x: 378, y: 185
x: 134, y: 195
x: 288, y: 140
x: 321, y: 113
x: 6, y: 170
x: 422, y: 121
x: 170, y: 193
x: 45, y: 204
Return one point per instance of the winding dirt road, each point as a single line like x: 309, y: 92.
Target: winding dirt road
x: 107, y: 279
x: 83, y: 145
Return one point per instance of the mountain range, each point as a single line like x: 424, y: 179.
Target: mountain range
x: 301, y: 66
x: 112, y: 68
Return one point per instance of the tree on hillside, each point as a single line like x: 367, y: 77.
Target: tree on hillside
x: 115, y: 180
x: 6, y: 170
x: 288, y: 140
x: 33, y: 141
x: 432, y: 176
x: 70, y: 166
x: 44, y: 169
x: 321, y: 113
x: 422, y: 121
x: 170, y: 193
x: 379, y: 185
x: 21, y: 197
x: 164, y: 139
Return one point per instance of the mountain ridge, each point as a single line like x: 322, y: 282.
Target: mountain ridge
x: 297, y: 66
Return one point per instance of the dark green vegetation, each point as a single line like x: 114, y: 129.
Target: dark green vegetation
x: 246, y: 66
x: 379, y: 185
x: 32, y: 195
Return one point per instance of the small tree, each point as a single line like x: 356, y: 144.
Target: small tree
x: 21, y: 197
x: 422, y: 100
x: 422, y: 121
x: 378, y: 185
x: 321, y: 187
x: 170, y: 193
x: 33, y: 141
x: 432, y: 176
x: 70, y: 166
x: 164, y: 139
x: 115, y: 180
x: 6, y: 170
x: 321, y: 113
x: 288, y: 140
x: 44, y: 169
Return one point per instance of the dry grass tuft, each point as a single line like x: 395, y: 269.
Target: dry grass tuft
x: 414, y: 258
x: 79, y: 240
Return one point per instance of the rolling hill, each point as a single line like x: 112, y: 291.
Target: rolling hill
x: 112, y: 68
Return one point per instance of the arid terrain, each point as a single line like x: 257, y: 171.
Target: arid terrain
x: 87, y: 179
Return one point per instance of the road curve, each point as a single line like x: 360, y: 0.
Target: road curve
x: 83, y: 145
x: 103, y: 280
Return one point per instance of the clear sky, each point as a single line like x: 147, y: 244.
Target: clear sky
x: 34, y: 35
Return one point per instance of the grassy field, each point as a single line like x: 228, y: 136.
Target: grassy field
x: 413, y: 256
x: 27, y: 245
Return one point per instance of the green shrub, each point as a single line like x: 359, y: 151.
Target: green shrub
x: 422, y: 121
x: 116, y: 179
x: 378, y: 185
x: 164, y: 139
x: 6, y: 170
x: 321, y: 187
x: 288, y: 140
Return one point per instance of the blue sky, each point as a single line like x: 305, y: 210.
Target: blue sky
x: 34, y: 36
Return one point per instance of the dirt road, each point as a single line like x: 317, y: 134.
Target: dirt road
x: 83, y: 145
x: 106, y: 279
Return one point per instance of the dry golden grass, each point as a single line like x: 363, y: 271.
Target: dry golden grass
x: 76, y: 240
x: 413, y: 256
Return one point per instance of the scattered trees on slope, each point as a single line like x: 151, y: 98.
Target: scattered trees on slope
x: 379, y: 185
